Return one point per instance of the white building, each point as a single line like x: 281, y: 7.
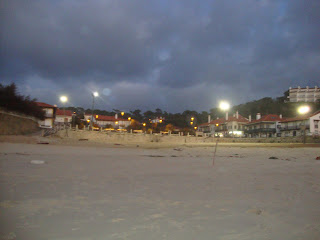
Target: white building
x: 265, y: 126
x: 291, y: 127
x: 304, y: 94
x: 63, y: 116
x: 50, y: 114
x: 232, y: 126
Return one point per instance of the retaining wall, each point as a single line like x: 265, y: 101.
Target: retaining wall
x: 145, y: 138
x: 14, y: 124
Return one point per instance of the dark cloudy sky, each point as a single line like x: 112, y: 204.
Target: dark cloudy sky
x: 171, y: 54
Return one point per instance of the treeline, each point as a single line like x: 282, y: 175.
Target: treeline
x: 11, y: 100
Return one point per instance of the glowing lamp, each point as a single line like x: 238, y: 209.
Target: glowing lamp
x: 63, y: 99
x: 224, y: 106
x: 303, y: 109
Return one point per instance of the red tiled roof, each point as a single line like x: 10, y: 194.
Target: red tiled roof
x: 41, y: 104
x: 106, y: 118
x: 204, y: 124
x: 267, y: 118
x: 299, y: 118
x: 60, y: 112
x: 230, y: 119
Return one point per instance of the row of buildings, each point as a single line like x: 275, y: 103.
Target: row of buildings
x: 270, y: 125
x: 56, y: 116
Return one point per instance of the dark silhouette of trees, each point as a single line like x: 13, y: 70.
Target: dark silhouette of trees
x: 11, y: 100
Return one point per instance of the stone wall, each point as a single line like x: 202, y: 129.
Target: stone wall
x: 14, y: 124
x: 111, y: 137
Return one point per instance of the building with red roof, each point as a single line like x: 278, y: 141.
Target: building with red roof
x: 103, y: 120
x: 50, y: 114
x: 63, y: 116
x: 297, y: 126
x: 228, y: 126
x: 265, y: 126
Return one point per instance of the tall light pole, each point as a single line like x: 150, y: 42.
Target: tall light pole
x: 94, y: 94
x: 64, y: 99
x: 224, y: 106
x: 303, y: 110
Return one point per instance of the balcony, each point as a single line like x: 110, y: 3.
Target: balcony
x: 297, y: 127
x: 260, y: 130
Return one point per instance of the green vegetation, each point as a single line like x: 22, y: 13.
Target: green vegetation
x: 11, y: 100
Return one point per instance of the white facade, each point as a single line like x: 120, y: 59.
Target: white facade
x: 61, y: 119
x: 315, y: 124
x: 296, y: 127
x: 304, y: 94
x: 49, y: 118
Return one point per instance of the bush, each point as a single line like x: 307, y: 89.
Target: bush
x: 12, y: 101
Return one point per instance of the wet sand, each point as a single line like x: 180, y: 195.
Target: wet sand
x: 129, y: 192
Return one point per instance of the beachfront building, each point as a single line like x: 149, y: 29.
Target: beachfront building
x: 265, y: 126
x: 104, y: 121
x: 308, y: 123
x: 304, y: 94
x: 50, y: 115
x: 63, y: 116
x: 230, y: 126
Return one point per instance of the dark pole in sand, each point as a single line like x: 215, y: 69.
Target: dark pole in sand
x: 224, y: 106
x: 215, y: 150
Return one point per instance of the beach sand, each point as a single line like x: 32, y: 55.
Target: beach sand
x: 91, y: 191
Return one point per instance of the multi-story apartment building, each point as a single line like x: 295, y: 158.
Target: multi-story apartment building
x: 233, y: 126
x: 265, y: 126
x: 304, y: 94
x: 309, y: 123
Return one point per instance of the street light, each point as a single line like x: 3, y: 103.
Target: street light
x: 64, y: 99
x: 224, y: 106
x: 303, y: 110
x: 94, y: 94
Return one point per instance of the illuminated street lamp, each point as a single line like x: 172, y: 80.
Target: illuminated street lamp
x: 224, y: 106
x: 94, y: 95
x: 64, y: 99
x: 303, y: 110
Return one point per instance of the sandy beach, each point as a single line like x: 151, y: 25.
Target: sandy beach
x: 89, y: 191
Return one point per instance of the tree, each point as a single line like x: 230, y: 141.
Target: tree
x: 11, y: 100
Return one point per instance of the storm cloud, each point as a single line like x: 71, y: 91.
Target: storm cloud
x: 174, y: 55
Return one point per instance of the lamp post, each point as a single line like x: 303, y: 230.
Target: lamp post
x: 224, y: 106
x: 64, y: 99
x: 303, y: 110
x: 94, y: 94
